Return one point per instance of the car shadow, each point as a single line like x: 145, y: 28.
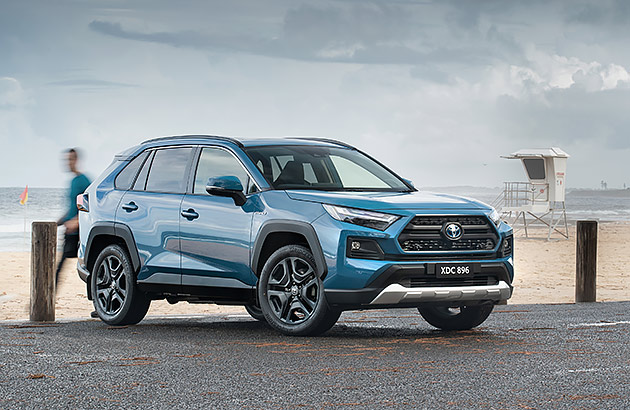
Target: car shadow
x: 225, y: 329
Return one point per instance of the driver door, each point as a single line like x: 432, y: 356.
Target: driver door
x: 215, y: 233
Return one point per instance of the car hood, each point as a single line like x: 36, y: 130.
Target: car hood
x: 389, y: 200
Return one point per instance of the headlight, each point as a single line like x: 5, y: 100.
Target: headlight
x: 495, y: 217
x: 369, y: 219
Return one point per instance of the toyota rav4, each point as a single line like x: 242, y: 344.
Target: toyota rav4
x: 296, y: 230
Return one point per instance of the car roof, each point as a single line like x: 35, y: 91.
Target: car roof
x: 247, y: 141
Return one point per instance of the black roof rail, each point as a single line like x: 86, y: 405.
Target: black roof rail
x: 329, y: 140
x: 214, y: 137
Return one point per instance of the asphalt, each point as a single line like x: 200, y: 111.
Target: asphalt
x: 523, y: 356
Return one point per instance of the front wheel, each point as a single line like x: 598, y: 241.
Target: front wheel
x: 291, y: 293
x: 456, y: 318
x: 117, y: 299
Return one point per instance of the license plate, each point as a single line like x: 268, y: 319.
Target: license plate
x: 453, y: 270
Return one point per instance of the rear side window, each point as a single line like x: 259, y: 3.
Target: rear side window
x: 141, y: 180
x: 126, y: 177
x: 168, y: 170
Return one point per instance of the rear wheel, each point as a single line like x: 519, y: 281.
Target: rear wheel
x: 291, y: 293
x: 456, y: 318
x: 117, y: 299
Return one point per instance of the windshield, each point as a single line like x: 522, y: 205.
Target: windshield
x: 322, y: 168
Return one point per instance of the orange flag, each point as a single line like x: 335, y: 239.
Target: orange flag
x: 24, y: 196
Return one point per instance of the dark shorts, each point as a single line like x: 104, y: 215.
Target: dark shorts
x: 71, y: 245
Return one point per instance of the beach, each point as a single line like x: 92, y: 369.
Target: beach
x: 545, y: 273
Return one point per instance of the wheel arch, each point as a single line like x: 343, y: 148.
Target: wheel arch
x: 106, y: 233
x: 277, y: 233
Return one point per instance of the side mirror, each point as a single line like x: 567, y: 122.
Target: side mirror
x: 408, y: 181
x: 229, y: 186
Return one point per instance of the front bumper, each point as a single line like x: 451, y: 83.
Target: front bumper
x: 395, y: 294
x: 415, y: 284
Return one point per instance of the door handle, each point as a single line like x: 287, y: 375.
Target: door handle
x: 130, y: 207
x: 190, y: 214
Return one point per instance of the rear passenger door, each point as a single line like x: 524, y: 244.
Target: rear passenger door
x: 151, y: 210
x: 215, y: 233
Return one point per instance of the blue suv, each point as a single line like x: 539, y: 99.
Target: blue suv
x: 297, y: 230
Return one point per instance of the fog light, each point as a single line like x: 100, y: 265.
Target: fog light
x: 363, y: 248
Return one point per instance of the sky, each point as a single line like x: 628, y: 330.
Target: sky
x: 436, y: 90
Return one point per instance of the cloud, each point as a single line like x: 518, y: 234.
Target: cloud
x: 475, y: 79
x: 371, y: 33
x: 90, y: 84
x: 367, y: 24
x: 568, y: 116
x: 292, y: 48
x: 601, y: 13
x: 175, y: 39
x: 543, y: 71
x: 12, y: 95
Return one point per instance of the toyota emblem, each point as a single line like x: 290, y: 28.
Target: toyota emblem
x: 453, y: 231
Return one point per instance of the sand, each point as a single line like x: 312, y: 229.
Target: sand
x: 545, y: 273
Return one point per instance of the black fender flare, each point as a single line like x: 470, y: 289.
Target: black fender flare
x: 119, y: 230
x: 302, y: 228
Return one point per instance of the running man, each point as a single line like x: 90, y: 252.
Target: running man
x: 71, y: 220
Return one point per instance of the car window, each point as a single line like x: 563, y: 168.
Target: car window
x: 168, y: 170
x: 141, y: 180
x: 126, y: 177
x: 353, y: 175
x: 216, y: 162
x: 323, y: 168
x: 309, y: 173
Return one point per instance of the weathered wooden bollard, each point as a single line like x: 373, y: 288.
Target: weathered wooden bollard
x: 586, y: 261
x: 43, y: 253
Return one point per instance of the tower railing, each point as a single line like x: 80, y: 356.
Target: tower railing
x: 519, y: 194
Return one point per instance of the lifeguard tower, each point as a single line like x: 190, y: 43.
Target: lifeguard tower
x: 541, y: 200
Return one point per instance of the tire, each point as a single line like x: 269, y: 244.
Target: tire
x: 460, y: 318
x: 116, y: 297
x: 255, y: 312
x: 291, y: 294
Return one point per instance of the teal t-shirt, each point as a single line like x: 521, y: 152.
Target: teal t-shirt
x: 78, y: 185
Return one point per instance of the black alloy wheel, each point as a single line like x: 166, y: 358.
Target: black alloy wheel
x: 115, y: 295
x: 111, y: 285
x: 291, y: 294
x: 293, y: 290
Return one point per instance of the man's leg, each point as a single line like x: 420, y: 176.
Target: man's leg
x: 59, y: 266
x: 70, y: 250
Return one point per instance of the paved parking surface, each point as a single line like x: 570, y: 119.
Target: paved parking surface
x: 524, y: 356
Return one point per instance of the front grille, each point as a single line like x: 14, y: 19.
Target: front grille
x: 425, y: 234
x: 431, y: 281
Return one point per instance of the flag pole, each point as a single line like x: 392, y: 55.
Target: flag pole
x: 24, y: 231
x: 24, y: 202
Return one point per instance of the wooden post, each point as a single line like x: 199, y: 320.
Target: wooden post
x: 43, y: 253
x: 586, y: 261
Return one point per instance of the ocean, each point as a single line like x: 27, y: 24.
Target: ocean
x: 48, y: 204
x: 611, y: 205
x: 44, y: 204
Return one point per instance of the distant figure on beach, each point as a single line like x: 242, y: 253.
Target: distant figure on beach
x: 71, y: 220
